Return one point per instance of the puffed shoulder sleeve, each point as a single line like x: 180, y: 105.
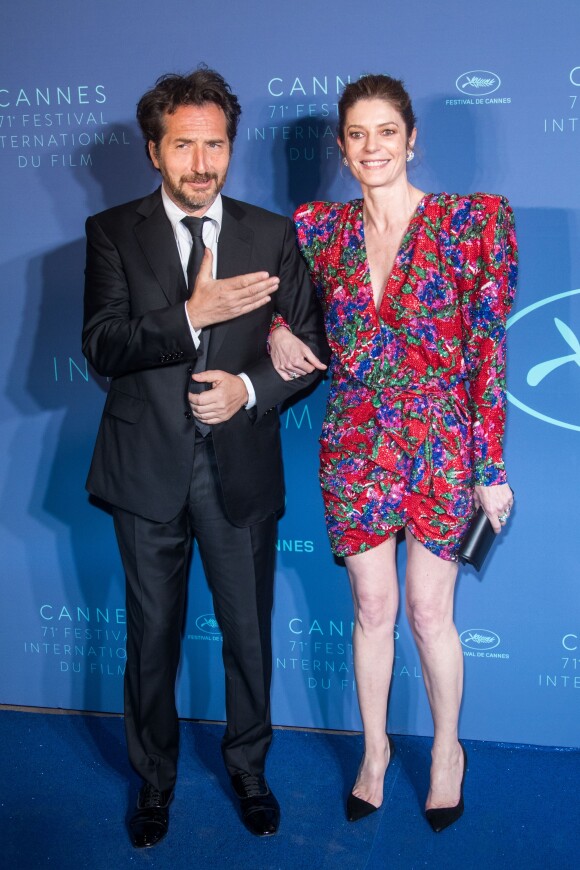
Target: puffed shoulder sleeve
x: 487, y: 297
x: 313, y: 222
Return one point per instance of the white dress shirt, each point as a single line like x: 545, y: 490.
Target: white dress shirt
x: 211, y: 232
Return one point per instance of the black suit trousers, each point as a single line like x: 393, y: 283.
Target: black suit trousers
x: 239, y: 567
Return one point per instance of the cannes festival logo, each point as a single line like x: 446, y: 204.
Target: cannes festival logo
x: 478, y: 82
x: 552, y: 381
x: 479, y: 638
x: 208, y: 624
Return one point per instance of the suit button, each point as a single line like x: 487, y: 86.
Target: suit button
x: 188, y: 415
x: 190, y: 370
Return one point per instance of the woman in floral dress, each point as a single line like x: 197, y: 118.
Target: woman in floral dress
x: 416, y: 289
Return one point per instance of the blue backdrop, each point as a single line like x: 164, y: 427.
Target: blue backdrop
x: 497, y: 93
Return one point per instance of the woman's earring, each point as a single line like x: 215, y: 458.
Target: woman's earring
x: 410, y: 155
x: 344, y: 161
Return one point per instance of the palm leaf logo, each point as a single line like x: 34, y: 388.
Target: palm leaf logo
x: 478, y: 82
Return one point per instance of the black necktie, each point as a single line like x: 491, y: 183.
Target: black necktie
x: 195, y: 227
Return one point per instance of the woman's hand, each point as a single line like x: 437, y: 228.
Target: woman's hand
x: 497, y: 502
x: 291, y: 357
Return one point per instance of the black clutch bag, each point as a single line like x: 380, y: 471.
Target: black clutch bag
x: 477, y: 541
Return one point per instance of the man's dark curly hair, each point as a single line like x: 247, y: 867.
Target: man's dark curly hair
x: 196, y: 89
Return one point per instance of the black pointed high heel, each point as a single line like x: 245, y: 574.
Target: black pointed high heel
x: 356, y: 808
x: 440, y: 818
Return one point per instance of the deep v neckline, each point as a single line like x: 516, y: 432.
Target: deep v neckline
x: 406, y: 238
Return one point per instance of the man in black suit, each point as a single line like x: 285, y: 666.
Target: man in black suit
x: 188, y: 446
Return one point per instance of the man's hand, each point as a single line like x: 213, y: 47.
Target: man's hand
x: 227, y: 395
x: 214, y: 301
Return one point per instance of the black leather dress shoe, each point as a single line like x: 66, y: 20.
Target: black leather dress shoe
x: 150, y: 822
x: 260, y: 810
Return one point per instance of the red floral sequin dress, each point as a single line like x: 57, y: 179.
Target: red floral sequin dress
x: 416, y: 406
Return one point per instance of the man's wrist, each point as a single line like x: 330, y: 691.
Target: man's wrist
x: 192, y: 317
x: 251, y: 400
x: 195, y: 333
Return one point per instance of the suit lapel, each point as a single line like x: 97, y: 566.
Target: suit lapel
x: 234, y: 255
x: 157, y: 241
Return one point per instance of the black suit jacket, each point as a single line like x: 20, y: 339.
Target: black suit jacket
x: 136, y: 332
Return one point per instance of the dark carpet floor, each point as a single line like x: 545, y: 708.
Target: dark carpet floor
x: 66, y: 787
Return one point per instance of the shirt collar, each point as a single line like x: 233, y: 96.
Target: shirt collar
x: 175, y: 214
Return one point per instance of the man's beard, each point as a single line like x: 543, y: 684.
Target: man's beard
x: 195, y: 202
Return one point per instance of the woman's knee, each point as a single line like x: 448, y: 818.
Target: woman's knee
x: 428, y: 620
x: 374, y: 612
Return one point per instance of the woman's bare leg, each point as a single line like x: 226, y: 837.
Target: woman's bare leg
x: 375, y: 592
x: 430, y: 585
